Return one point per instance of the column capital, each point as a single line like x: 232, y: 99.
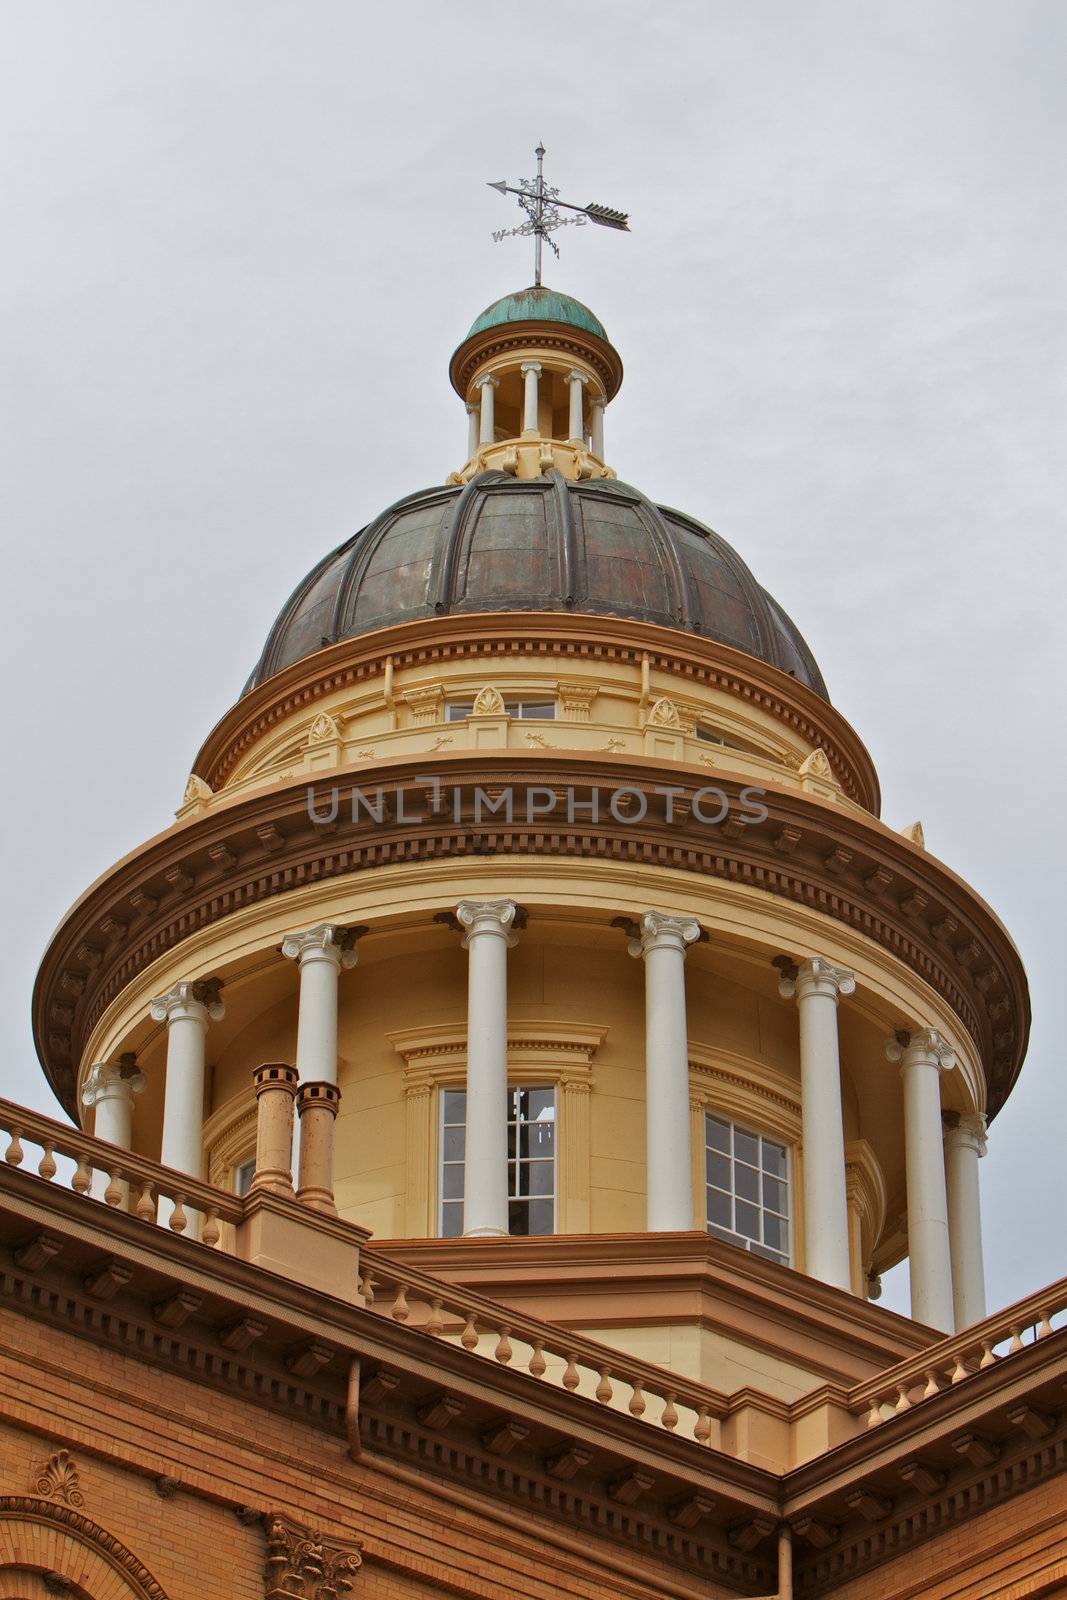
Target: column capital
x: 117, y: 1080
x: 487, y: 917
x: 531, y: 366
x: 926, y: 1047
x: 472, y: 409
x: 574, y: 376
x: 663, y: 930
x: 965, y: 1130
x: 488, y: 382
x: 600, y: 400
x: 190, y: 1001
x: 328, y: 941
x: 816, y: 976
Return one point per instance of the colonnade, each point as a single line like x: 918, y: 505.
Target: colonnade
x: 941, y: 1150
x: 481, y: 415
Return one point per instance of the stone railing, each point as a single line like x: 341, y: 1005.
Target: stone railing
x: 127, y: 1182
x: 545, y: 1352
x: 960, y: 1356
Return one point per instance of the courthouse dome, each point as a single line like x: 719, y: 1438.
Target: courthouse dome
x: 497, y: 543
x: 538, y: 304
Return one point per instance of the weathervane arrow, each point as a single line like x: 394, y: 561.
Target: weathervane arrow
x: 543, y: 205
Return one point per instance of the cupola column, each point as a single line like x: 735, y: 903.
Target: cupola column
x: 110, y: 1090
x: 487, y: 387
x: 964, y: 1147
x: 531, y: 374
x: 924, y: 1056
x: 599, y: 404
x: 473, y: 430
x: 577, y: 381
x: 817, y: 985
x: 321, y: 953
x: 660, y: 940
x: 488, y: 938
x: 186, y: 1009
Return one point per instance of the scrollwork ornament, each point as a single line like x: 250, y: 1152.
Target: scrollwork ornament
x: 304, y: 1563
x: 57, y: 1479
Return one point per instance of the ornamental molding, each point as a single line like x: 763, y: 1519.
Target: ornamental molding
x: 229, y: 1139
x: 436, y: 1053
x: 488, y: 702
x: 301, y: 1562
x: 742, y: 1088
x: 617, y: 641
x: 57, y: 1479
x: 842, y: 866
x: 80, y: 1534
x: 866, y: 1188
x: 324, y: 729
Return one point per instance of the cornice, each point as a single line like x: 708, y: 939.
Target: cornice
x: 836, y: 862
x: 565, y: 636
x: 563, y: 337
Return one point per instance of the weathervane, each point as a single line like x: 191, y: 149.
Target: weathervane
x: 542, y: 206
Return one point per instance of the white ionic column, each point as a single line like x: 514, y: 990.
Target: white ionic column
x: 110, y: 1089
x: 661, y: 942
x: 473, y: 414
x: 817, y: 985
x: 186, y: 1009
x: 531, y: 372
x: 486, y: 386
x: 577, y: 381
x: 599, y: 402
x: 321, y: 953
x: 924, y: 1056
x: 487, y: 941
x: 964, y: 1146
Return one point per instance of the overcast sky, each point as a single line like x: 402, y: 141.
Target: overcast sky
x: 242, y: 239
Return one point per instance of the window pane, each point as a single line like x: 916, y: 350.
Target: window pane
x: 451, y: 1221
x: 452, y: 1181
x: 719, y: 1208
x: 746, y: 1182
x: 769, y: 1255
x: 746, y: 1219
x: 718, y: 1170
x: 718, y: 1134
x: 545, y: 709
x: 774, y: 1158
x: 456, y: 710
x: 242, y: 1178
x: 541, y: 1104
x: 452, y: 1143
x: 455, y: 1105
x: 519, y: 1218
x: 542, y: 1139
x: 746, y: 1147
x: 774, y: 1232
x: 541, y: 1213
x: 540, y: 1177
x: 725, y: 1235
x: 773, y: 1194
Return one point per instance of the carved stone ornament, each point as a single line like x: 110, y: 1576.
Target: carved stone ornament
x: 323, y: 730
x: 914, y: 834
x: 488, y: 702
x: 57, y: 1479
x: 664, y: 714
x: 302, y: 1562
x: 196, y: 790
x: 817, y: 766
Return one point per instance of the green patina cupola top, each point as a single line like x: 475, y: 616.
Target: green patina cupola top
x: 538, y: 304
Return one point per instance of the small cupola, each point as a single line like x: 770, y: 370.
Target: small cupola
x: 536, y: 372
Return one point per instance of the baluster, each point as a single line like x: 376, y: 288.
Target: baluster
x: 83, y: 1176
x: 368, y: 1289
x: 435, y: 1322
x: 571, y: 1378
x: 47, y: 1167
x: 1016, y: 1341
x: 669, y: 1419
x: 469, y: 1337
x: 702, y: 1428
x: 537, y: 1360
x: 178, y: 1220
x: 959, y: 1371
x: 211, y: 1232
x: 1044, y: 1327
x: 146, y: 1204
x: 113, y: 1192
x: 903, y: 1401
x: 503, y: 1350
x: 401, y: 1310
x: 933, y: 1385
x: 874, y: 1415
x: 14, y: 1150
x: 637, y: 1400
x: 604, y: 1390
x: 988, y: 1354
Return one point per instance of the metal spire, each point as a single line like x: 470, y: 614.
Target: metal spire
x: 542, y: 206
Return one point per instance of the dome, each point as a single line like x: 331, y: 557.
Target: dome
x: 497, y: 543
x: 538, y: 305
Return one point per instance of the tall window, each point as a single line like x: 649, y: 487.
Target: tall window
x: 243, y: 1175
x: 531, y: 1161
x: 748, y: 1189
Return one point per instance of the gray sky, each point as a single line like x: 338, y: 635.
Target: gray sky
x: 242, y: 239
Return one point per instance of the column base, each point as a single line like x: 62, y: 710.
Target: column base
x: 486, y: 1233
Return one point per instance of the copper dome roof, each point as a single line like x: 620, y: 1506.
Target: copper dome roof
x: 546, y: 544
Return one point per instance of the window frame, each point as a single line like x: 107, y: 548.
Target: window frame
x: 741, y: 1241
x: 514, y: 1162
